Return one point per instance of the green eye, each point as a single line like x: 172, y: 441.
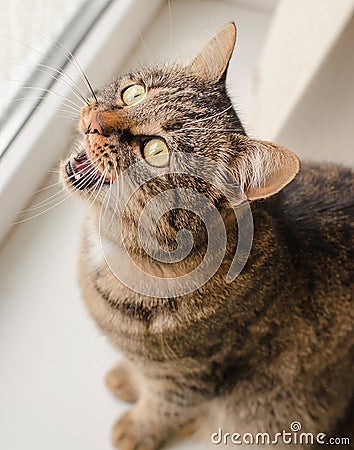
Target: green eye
x: 133, y: 94
x: 156, y: 152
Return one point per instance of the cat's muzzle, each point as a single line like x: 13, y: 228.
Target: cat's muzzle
x: 82, y: 174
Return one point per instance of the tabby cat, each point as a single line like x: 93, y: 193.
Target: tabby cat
x: 272, y: 346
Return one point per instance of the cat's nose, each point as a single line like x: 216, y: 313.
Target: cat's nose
x: 95, y: 125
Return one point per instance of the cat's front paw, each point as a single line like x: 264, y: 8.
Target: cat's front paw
x: 121, y: 383
x: 131, y: 434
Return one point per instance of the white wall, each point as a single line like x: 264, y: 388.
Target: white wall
x: 179, y: 33
x: 321, y: 126
x: 304, y: 86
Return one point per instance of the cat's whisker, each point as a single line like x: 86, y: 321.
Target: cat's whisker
x: 82, y: 183
x: 99, y: 184
x: 33, y: 97
x: 169, y: 354
x: 76, y: 91
x: 78, y: 95
x: 42, y: 212
x: 209, y: 117
x: 89, y: 200
x: 85, y: 180
x: 63, y: 116
x: 52, y: 92
x: 57, y: 171
x: 69, y: 113
x: 57, y: 183
x: 115, y: 210
x: 24, y: 44
x: 70, y: 83
x: 94, y: 189
x: 66, y: 114
x: 64, y: 110
x: 170, y: 20
x: 108, y: 193
x: 13, y: 80
x: 120, y: 192
x: 76, y: 64
x: 90, y: 175
x: 69, y: 57
x: 145, y: 47
x: 217, y: 130
x: 117, y: 193
x: 45, y: 203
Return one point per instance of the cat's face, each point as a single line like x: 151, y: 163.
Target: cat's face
x: 146, y: 118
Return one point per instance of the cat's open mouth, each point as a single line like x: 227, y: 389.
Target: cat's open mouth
x: 82, y: 173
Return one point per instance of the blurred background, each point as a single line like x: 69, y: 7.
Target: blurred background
x: 291, y: 80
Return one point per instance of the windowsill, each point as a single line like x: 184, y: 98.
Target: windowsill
x: 53, y: 356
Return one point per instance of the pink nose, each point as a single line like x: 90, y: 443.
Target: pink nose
x: 95, y: 125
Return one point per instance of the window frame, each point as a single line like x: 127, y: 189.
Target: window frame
x: 24, y: 165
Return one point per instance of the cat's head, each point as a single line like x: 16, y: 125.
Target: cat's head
x: 146, y: 118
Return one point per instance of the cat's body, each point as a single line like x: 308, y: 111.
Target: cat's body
x: 272, y: 347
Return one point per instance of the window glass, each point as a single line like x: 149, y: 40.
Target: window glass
x: 33, y: 32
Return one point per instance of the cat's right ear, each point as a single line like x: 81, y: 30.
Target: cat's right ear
x: 211, y: 63
x: 262, y: 168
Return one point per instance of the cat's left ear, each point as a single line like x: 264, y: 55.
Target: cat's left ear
x: 211, y: 63
x: 263, y: 168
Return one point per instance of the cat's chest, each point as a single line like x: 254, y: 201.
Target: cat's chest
x: 108, y: 279
x: 102, y: 254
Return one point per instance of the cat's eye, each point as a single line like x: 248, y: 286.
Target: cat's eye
x: 133, y: 94
x: 156, y: 152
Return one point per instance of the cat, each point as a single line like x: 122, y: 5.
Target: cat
x: 252, y: 355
